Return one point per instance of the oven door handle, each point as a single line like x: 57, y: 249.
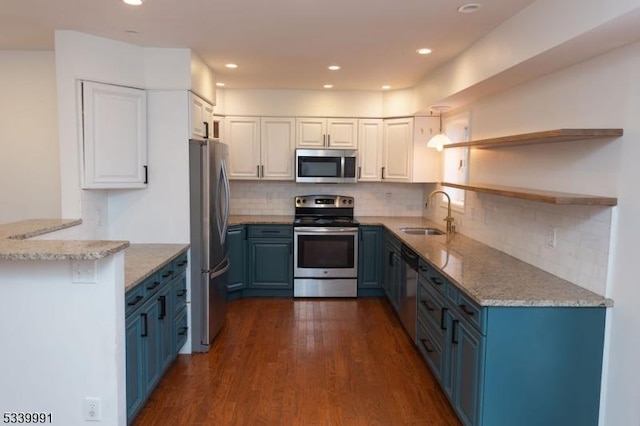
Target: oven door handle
x: 325, y: 230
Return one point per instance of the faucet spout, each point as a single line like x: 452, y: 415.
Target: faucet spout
x: 449, y: 219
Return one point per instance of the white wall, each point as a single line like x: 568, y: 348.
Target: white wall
x: 601, y: 92
x: 29, y: 167
x: 62, y: 341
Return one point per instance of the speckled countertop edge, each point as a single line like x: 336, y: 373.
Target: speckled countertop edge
x: 15, y: 243
x: 143, y: 260
x: 486, y: 275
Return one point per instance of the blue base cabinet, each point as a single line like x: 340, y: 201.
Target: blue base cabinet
x: 270, y: 261
x: 237, y: 249
x: 370, y: 251
x: 503, y: 366
x: 392, y: 262
x: 156, y: 329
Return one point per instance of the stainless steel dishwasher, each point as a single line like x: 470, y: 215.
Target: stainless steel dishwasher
x: 408, y: 291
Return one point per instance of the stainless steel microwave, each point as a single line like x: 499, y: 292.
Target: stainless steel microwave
x: 326, y: 166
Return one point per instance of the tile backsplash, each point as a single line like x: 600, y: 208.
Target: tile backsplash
x: 372, y: 199
x: 525, y: 230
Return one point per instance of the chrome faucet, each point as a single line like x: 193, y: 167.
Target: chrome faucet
x: 451, y: 229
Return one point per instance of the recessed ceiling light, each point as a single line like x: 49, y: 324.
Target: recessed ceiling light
x: 423, y: 51
x: 133, y: 2
x: 232, y: 66
x: 469, y: 8
x: 131, y: 32
x: 328, y: 86
x: 334, y: 67
x: 220, y: 84
x: 386, y: 87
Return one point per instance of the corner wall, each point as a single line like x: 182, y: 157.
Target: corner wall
x: 29, y: 166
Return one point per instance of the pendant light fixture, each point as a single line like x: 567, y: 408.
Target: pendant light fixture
x: 440, y: 139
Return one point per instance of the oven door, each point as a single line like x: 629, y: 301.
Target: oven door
x: 325, y: 252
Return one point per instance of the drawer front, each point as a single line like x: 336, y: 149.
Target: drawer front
x: 179, y: 292
x: 167, y: 272
x: 133, y: 299
x: 180, y: 262
x: 270, y: 231
x: 472, y: 312
x: 431, y: 310
x: 434, y: 278
x: 430, y: 350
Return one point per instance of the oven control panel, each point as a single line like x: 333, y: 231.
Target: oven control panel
x: 320, y: 201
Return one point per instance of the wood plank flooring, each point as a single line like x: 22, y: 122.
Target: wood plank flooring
x: 302, y: 362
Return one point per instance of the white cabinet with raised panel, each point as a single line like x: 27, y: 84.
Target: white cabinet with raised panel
x: 327, y: 133
x: 406, y: 157
x: 260, y: 148
x: 200, y: 118
x: 114, y: 129
x: 370, y: 149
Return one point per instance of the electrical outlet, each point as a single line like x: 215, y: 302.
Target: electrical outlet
x: 387, y: 198
x: 92, y: 411
x: 269, y: 197
x: 551, y: 236
x: 84, y: 271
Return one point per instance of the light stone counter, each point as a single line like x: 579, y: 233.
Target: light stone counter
x: 15, y: 245
x: 260, y: 220
x: 142, y: 260
x: 488, y: 276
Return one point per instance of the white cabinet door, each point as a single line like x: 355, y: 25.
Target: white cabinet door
x: 342, y: 133
x: 242, y: 135
x: 398, y: 150
x: 370, y: 150
x: 277, y: 136
x: 200, y: 117
x: 426, y: 161
x: 114, y: 124
x: 312, y: 132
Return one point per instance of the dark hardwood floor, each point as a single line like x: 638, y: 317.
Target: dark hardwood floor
x: 302, y: 362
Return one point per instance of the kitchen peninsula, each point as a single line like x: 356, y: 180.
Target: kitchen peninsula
x: 63, y: 318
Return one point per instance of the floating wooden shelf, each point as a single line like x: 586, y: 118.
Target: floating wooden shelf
x: 549, y: 136
x: 536, y: 195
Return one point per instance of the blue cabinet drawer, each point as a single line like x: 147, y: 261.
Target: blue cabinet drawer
x: 270, y: 231
x: 167, y: 272
x: 179, y: 292
x: 431, y: 351
x: 180, y: 262
x: 472, y: 312
x: 133, y: 299
x: 431, y: 310
x: 433, y: 277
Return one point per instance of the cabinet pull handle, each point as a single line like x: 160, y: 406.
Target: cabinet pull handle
x: 428, y: 306
x: 167, y: 274
x: 163, y: 307
x: 146, y: 174
x: 324, y: 140
x: 436, y: 280
x: 262, y: 171
x: 135, y: 301
x: 454, y: 334
x: 328, y: 140
x: 206, y: 129
x: 426, y: 346
x: 258, y: 171
x: 154, y: 285
x: 423, y: 268
x: 182, y: 293
x: 181, y: 264
x: 443, y: 325
x: 359, y: 172
x: 465, y: 309
x: 183, y: 331
x: 383, y: 173
x: 145, y: 330
x: 390, y: 258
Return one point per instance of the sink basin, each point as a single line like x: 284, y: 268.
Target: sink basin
x: 422, y: 231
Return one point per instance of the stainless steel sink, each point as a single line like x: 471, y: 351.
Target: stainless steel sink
x: 422, y: 231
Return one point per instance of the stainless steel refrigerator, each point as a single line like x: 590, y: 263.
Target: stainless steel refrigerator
x: 210, y: 196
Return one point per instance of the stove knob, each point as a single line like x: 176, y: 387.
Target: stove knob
x: 304, y: 200
x: 298, y: 201
x: 350, y: 201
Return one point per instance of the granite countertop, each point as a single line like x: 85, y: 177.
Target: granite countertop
x: 142, y: 260
x: 488, y: 276
x: 15, y: 243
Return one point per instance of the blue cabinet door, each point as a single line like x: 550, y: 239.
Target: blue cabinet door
x: 135, y: 389
x: 370, y: 273
x: 271, y: 263
x: 467, y: 356
x: 150, y: 344
x: 237, y: 246
x: 165, y: 325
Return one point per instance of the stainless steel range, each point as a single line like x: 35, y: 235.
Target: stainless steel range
x: 325, y: 247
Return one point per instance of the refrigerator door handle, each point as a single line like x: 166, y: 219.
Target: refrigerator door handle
x: 206, y: 240
x: 224, y: 267
x: 219, y: 215
x: 227, y: 204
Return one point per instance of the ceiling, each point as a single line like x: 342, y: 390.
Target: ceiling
x: 279, y: 44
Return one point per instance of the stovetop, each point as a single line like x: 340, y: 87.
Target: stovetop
x: 325, y: 221
x: 324, y: 210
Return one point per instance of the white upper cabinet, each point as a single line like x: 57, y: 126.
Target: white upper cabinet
x: 406, y: 157
x: 277, y: 148
x: 327, y: 133
x: 114, y: 129
x: 242, y: 135
x: 370, y: 150
x: 200, y: 118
